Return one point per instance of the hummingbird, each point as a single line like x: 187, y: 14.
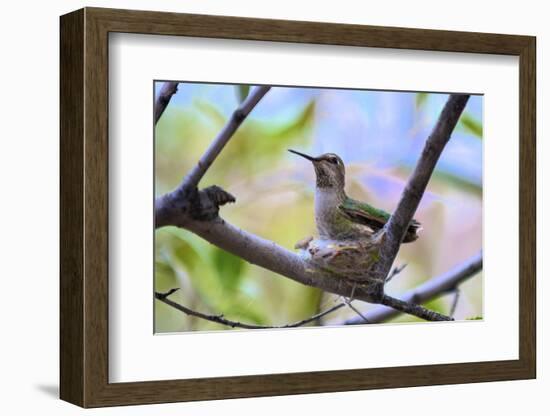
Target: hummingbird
x: 339, y: 217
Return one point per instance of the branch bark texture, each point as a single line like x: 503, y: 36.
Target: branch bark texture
x: 220, y: 319
x: 431, y: 289
x: 271, y: 256
x: 238, y: 116
x: 170, y: 206
x: 398, y: 223
x: 165, y: 95
x: 185, y: 207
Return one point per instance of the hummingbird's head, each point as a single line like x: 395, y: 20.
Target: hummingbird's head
x: 329, y: 169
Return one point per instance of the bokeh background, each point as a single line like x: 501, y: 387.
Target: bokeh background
x: 378, y: 134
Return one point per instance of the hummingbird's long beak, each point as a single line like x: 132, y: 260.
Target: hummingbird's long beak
x: 310, y: 158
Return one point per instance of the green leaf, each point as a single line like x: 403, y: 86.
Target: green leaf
x: 211, y: 112
x: 165, y: 277
x: 302, y: 120
x: 229, y: 268
x: 242, y: 92
x: 471, y: 125
x: 437, y: 305
x: 448, y: 177
x: 184, y: 253
x: 190, y: 243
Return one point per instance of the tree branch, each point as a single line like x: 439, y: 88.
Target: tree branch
x: 271, y: 256
x: 456, y: 297
x: 413, y: 308
x: 170, y: 206
x: 395, y: 272
x: 235, y: 324
x: 398, y: 223
x: 431, y: 289
x: 185, y: 207
x: 239, y: 115
x: 165, y: 95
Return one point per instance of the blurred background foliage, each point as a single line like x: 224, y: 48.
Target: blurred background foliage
x: 378, y: 134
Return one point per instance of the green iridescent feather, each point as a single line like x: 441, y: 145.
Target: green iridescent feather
x: 375, y: 218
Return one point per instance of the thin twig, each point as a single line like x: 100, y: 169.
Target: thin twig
x: 313, y: 318
x: 350, y: 299
x: 413, y: 308
x: 174, y: 209
x: 235, y: 324
x: 169, y: 207
x: 165, y: 95
x: 164, y: 295
x: 239, y: 115
x: 273, y: 257
x: 398, y: 223
x: 396, y: 271
x: 432, y: 289
x: 456, y: 296
x: 357, y: 311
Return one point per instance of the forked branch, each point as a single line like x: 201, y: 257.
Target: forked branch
x: 184, y: 207
x: 431, y: 289
x: 220, y: 319
x: 238, y: 116
x: 171, y: 206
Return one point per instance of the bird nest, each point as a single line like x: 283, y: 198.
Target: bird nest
x: 351, y: 259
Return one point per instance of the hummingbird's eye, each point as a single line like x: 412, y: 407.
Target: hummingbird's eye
x: 333, y: 160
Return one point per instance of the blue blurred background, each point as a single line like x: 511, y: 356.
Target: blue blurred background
x: 378, y: 134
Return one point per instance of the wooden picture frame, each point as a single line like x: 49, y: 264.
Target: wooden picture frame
x: 84, y: 207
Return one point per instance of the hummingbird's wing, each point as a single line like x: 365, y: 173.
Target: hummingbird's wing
x: 364, y: 213
x: 375, y: 218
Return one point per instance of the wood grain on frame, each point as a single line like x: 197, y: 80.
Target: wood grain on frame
x: 71, y: 204
x: 84, y: 207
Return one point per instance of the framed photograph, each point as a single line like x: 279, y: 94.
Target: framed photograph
x: 255, y: 207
